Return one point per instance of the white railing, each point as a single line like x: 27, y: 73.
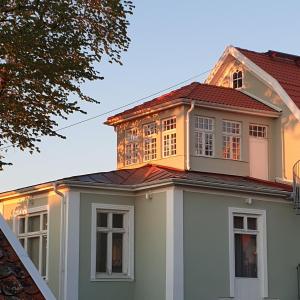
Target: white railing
x: 296, y: 185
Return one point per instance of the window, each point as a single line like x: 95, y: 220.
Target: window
x: 112, y: 242
x: 204, y: 136
x: 258, y: 131
x: 32, y: 231
x: 231, y: 140
x: 131, y: 146
x: 150, y: 141
x: 245, y: 246
x: 169, y: 137
x: 237, y: 79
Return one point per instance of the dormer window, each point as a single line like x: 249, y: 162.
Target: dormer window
x: 131, y: 146
x: 150, y: 141
x: 237, y: 79
x: 169, y: 137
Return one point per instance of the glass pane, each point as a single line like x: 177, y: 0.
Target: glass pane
x: 238, y: 222
x: 117, y: 220
x: 245, y: 255
x: 117, y: 252
x: 33, y: 246
x: 45, y: 221
x: 33, y: 223
x: 22, y: 241
x: 101, y: 252
x: 252, y: 223
x: 44, y: 255
x: 102, y: 219
x: 22, y: 225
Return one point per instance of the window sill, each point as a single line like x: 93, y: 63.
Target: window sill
x: 113, y: 278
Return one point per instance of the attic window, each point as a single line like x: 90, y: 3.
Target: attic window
x: 237, y: 79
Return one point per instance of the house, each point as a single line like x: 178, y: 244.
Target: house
x: 201, y: 205
x: 18, y: 275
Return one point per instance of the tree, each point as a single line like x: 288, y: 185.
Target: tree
x: 47, y: 49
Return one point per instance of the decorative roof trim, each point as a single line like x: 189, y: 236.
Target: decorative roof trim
x: 26, y: 261
x: 266, y: 77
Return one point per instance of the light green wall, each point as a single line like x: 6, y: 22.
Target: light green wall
x: 9, y: 208
x: 206, y: 245
x: 149, y: 250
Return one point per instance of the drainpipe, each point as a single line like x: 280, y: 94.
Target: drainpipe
x: 188, y: 165
x: 62, y: 241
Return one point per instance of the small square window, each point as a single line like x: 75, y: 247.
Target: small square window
x: 251, y: 223
x: 102, y: 219
x: 34, y: 223
x: 117, y: 220
x: 238, y: 222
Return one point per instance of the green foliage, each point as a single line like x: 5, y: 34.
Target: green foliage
x: 47, y: 49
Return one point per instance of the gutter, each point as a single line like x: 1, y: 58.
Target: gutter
x: 188, y: 154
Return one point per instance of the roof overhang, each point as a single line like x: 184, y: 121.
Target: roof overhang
x: 259, y: 72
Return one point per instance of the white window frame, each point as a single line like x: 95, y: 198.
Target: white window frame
x: 128, y: 253
x: 148, y: 138
x: 259, y: 126
x: 28, y: 212
x: 169, y: 133
x: 131, y: 142
x: 204, y: 131
x: 231, y: 136
x: 261, y: 246
x: 238, y: 78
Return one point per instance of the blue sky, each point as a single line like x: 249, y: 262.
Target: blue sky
x: 171, y: 41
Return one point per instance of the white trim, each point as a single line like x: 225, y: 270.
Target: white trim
x: 28, y: 264
x: 174, y: 245
x: 71, y: 280
x: 267, y: 78
x: 129, y: 209
x: 262, y: 225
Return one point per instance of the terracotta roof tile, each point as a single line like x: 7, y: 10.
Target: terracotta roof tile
x: 285, y: 68
x: 15, y: 281
x: 200, y: 92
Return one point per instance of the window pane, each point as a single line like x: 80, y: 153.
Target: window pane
x: 22, y: 241
x: 238, y: 222
x: 33, y: 249
x: 44, y: 256
x: 45, y: 221
x: 33, y: 223
x: 245, y: 255
x: 252, y: 223
x: 22, y: 225
x: 118, y: 220
x: 117, y: 252
x: 102, y: 219
x: 101, y: 252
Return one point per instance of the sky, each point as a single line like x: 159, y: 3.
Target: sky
x: 171, y: 41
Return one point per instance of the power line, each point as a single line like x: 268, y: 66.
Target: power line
x: 123, y: 106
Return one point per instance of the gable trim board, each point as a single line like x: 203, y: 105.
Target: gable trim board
x: 266, y: 78
x: 26, y: 261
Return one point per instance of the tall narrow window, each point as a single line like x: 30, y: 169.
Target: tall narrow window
x: 131, y: 146
x: 112, y: 241
x: 245, y: 245
x: 32, y: 233
x: 204, y: 136
x: 150, y: 141
x: 169, y: 137
x: 232, y: 140
x: 237, y: 79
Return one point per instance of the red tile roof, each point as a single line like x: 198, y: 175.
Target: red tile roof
x: 285, y: 68
x: 201, y: 92
x: 150, y: 173
x: 16, y: 282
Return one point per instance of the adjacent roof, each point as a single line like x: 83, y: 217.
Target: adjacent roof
x: 18, y: 277
x: 203, y: 93
x: 285, y: 68
x: 151, y: 174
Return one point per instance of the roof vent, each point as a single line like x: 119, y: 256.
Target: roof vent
x: 296, y: 186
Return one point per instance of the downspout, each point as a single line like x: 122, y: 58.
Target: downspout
x: 62, y: 241
x: 188, y: 164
